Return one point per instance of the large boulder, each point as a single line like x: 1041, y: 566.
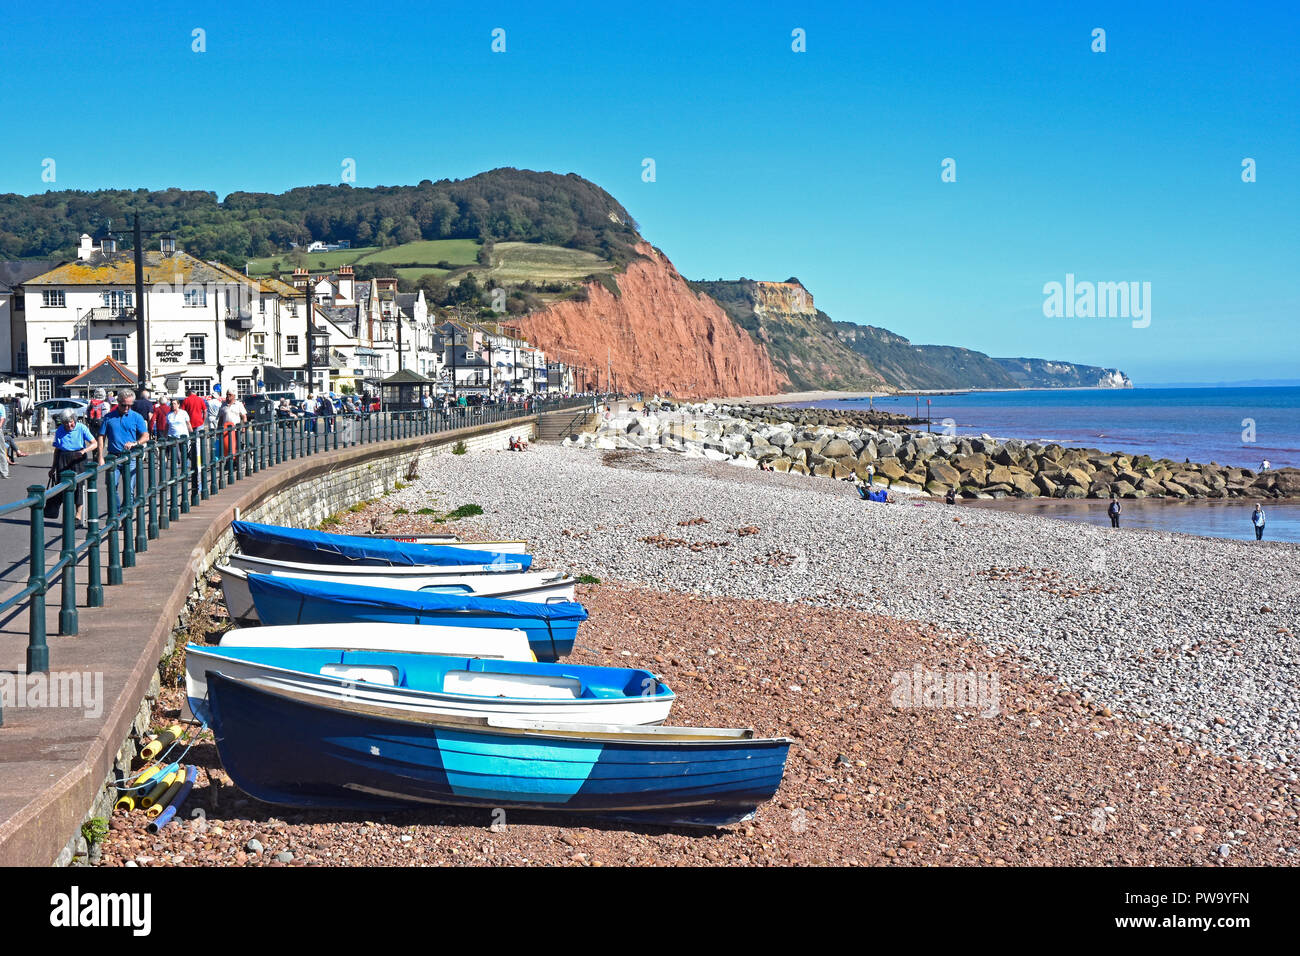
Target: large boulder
x: 890, y: 468
x: 837, y: 448
x: 999, y: 475
x: 943, y: 473
x: 1024, y: 485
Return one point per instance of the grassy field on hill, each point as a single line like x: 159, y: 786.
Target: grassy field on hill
x: 425, y: 252
x: 512, y: 262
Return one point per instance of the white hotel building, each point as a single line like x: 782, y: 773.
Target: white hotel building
x: 205, y: 323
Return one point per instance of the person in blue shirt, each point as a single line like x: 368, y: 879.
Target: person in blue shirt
x: 121, y: 430
x: 1257, y: 519
x: 73, y: 444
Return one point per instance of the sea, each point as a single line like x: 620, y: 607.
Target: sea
x: 1241, y: 426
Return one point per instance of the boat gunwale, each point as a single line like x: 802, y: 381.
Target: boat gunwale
x: 668, y: 695
x: 634, y: 735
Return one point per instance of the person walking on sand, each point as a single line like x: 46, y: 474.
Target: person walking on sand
x: 1114, y: 511
x: 1257, y: 519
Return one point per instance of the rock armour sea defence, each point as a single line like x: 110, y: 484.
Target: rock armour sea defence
x: 657, y: 335
x: 836, y: 445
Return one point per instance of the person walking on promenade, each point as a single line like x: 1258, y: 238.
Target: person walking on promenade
x: 96, y: 411
x: 26, y: 412
x: 232, y: 415
x: 1257, y: 519
x: 121, y: 430
x: 144, y: 405
x: 4, y: 445
x: 1114, y: 511
x: 197, y: 409
x: 73, y: 444
x: 158, y: 420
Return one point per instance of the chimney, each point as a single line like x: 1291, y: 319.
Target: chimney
x: 108, y: 246
x: 168, y: 245
x: 347, y: 284
x: 85, y: 247
x: 300, y: 278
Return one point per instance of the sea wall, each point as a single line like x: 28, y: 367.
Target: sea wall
x: 128, y: 645
x: 834, y: 444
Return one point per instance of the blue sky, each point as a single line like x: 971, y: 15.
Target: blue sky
x: 1115, y: 166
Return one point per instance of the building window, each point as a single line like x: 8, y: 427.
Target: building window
x: 117, y: 301
x: 243, y: 387
x: 261, y: 304
x: 21, y: 362
x: 259, y: 343
x: 56, y: 351
x: 201, y: 386
x: 197, y: 343
x: 44, y: 389
x: 196, y: 297
x: 117, y: 347
x: 53, y: 299
x: 291, y: 344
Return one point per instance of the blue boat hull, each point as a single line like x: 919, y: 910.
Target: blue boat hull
x: 291, y: 752
x: 549, y: 639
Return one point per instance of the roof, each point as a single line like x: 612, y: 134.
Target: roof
x: 118, y: 268
x: 275, y: 377
x: 280, y: 288
x: 407, y: 377
x: 18, y: 271
x: 105, y: 373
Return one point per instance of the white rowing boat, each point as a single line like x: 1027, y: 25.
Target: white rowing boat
x: 497, y: 643
x: 541, y: 587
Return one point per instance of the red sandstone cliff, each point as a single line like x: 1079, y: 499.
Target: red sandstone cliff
x: 658, y: 334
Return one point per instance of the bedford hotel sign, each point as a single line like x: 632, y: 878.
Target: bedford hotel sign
x: 168, y: 353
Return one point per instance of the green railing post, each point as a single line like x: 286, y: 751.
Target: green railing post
x: 141, y: 528
x: 68, y: 557
x: 166, y: 492
x: 176, y: 482
x: 94, y: 583
x: 122, y: 487
x: 114, y: 527
x: 148, y: 484
x: 189, y: 477
x: 245, y: 433
x: 38, y: 652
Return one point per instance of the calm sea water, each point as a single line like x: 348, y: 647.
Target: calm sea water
x: 1200, y: 424
x: 1231, y: 426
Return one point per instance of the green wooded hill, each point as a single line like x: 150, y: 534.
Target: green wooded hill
x: 503, y: 204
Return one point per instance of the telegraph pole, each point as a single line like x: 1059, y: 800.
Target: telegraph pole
x: 141, y: 345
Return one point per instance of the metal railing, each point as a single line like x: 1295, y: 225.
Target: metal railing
x: 152, y: 485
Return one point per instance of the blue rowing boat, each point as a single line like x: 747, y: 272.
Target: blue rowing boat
x: 457, y: 686
x: 320, y: 547
x: 283, y: 747
x: 551, y: 628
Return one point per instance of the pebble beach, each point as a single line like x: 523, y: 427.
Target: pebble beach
x: 1144, y: 710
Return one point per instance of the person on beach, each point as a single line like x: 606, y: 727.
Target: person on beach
x: 871, y: 475
x: 951, y: 496
x: 1257, y: 519
x: 1264, y: 465
x: 73, y: 444
x: 1114, y: 511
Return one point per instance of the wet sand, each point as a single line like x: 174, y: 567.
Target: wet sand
x: 1228, y: 518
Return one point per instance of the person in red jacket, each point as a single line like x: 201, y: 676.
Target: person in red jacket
x: 158, y: 420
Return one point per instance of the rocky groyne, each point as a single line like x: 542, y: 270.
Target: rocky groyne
x: 847, y: 445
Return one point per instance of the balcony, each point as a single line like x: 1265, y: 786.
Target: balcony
x: 112, y: 314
